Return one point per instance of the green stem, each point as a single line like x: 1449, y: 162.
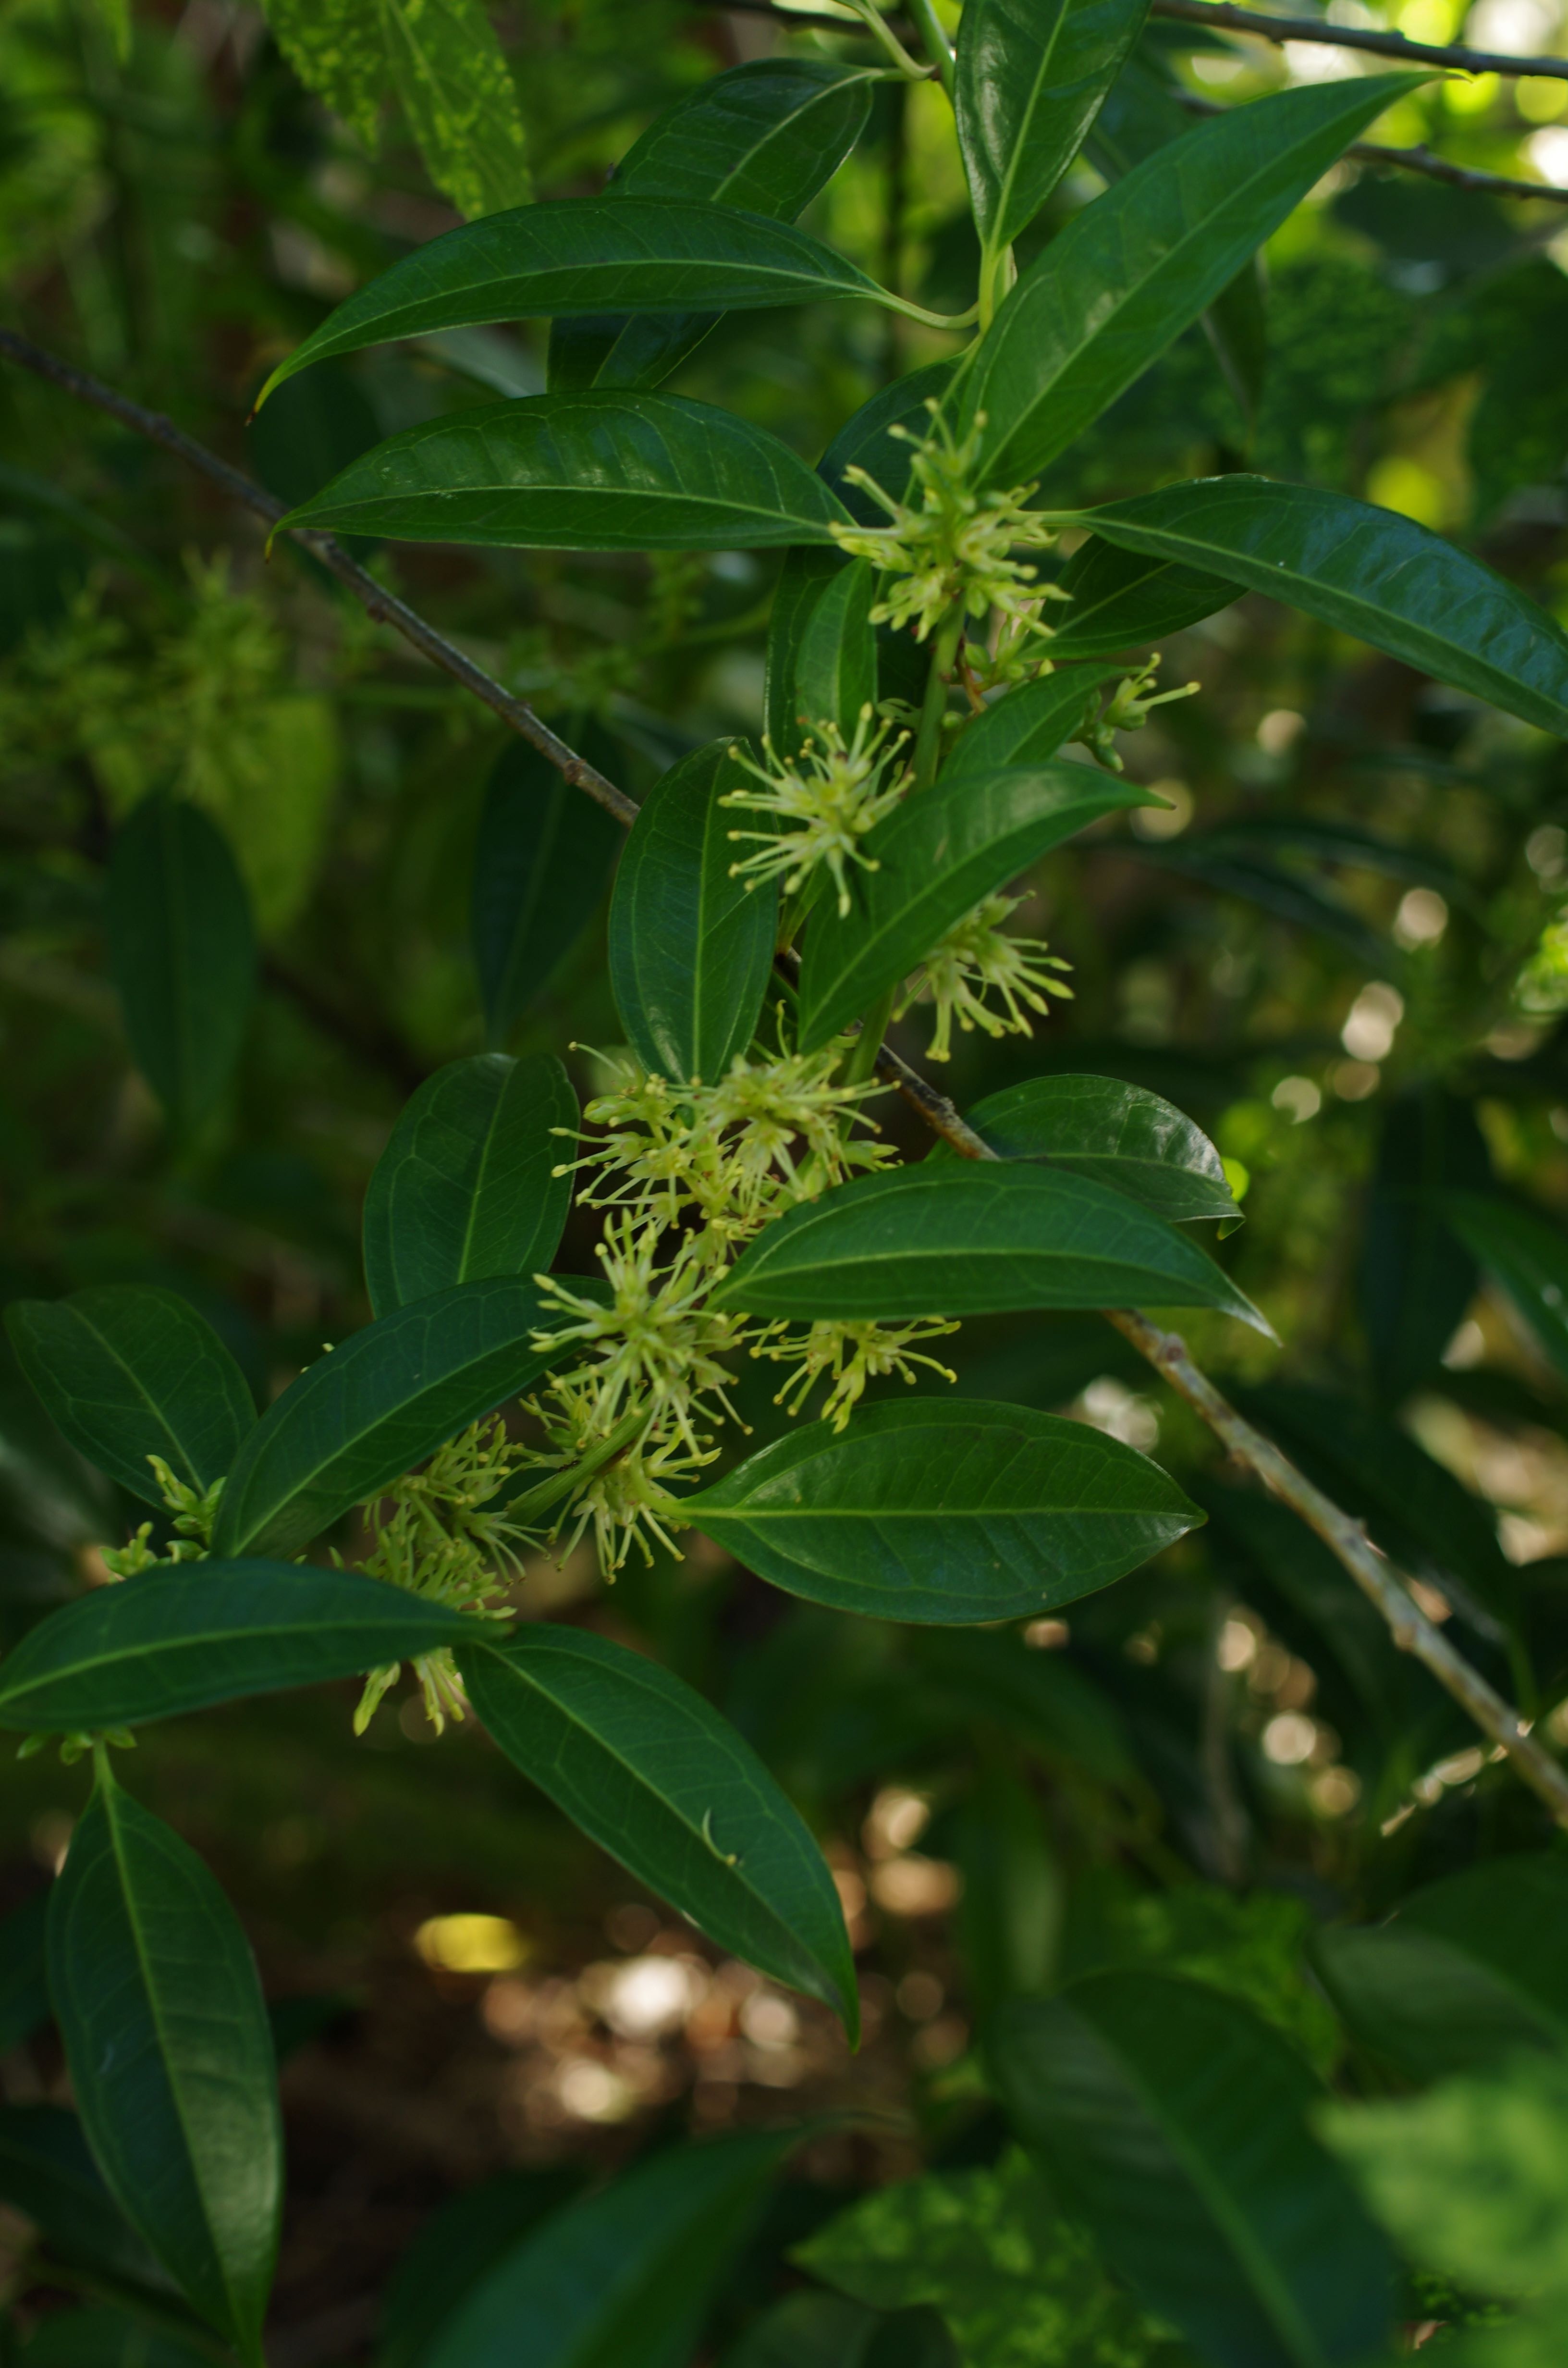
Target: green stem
x: 927, y: 320
x: 869, y: 1043
x: 876, y: 24
x: 934, y: 706
x: 997, y: 275
x: 937, y: 47
x: 527, y: 1508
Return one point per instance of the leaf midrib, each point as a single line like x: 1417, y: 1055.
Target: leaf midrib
x: 1027, y: 119
x: 159, y: 1417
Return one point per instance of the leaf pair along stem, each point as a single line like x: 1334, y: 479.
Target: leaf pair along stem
x: 1378, y: 1580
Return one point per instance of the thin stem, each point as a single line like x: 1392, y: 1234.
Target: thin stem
x: 527, y: 1506
x: 877, y: 25
x: 927, y: 320
x: 934, y: 706
x: 1167, y: 1352
x: 934, y: 40
x: 863, y: 1052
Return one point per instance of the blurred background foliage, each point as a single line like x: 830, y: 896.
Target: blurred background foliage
x: 1343, y: 948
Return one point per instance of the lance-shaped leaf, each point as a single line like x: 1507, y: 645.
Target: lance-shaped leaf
x: 625, y: 2276
x: 171, y: 2059
x: 1136, y: 267
x: 1370, y: 573
x: 581, y: 256
x: 1470, y: 1970
x: 1114, y: 1133
x: 1030, y: 81
x: 541, y: 864
x: 655, y: 1777
x: 47, y: 2170
x: 1124, y: 599
x: 182, y: 951
x: 595, y: 471
x: 466, y: 1188
x: 129, y: 1370
x: 1178, y: 2123
x: 689, y: 947
x: 172, y: 1641
x: 803, y: 580
x: 836, y: 670
x: 1527, y: 1253
x: 944, y: 1512
x: 936, y: 856
x: 1029, y: 725
x: 766, y: 136
x: 970, y: 1239
x: 371, y: 1409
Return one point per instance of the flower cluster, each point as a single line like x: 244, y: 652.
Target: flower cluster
x: 849, y: 1355
x: 946, y: 544
x: 194, y: 1513
x: 818, y: 806
x: 1127, y: 710
x: 978, y: 958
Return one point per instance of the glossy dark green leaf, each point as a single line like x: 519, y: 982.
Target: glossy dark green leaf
x: 880, y: 438
x: 968, y: 1238
x: 690, y: 948
x: 1029, y: 725
x: 1467, y: 1972
x: 24, y: 1982
x: 946, y: 1511
x: 1136, y: 267
x: 182, y: 951
x: 622, y: 2279
x: 48, y: 1488
x: 375, y: 1406
x: 171, y: 2059
x: 1116, y: 1134
x: 582, y: 256
x: 766, y: 136
x: 640, y: 1762
x: 1178, y: 2123
x: 128, y: 1370
x: 466, y: 1188
x: 1123, y: 600
x: 1369, y: 572
x: 541, y: 865
x: 803, y: 580
x: 594, y: 472
x: 458, y: 2245
x: 1528, y: 1256
x: 836, y: 670
x: 1416, y: 1277
x: 47, y: 2170
x: 936, y: 856
x: 1030, y: 81
x: 176, y: 1640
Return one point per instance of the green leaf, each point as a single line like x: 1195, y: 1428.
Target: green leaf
x: 24, y: 1983
x: 583, y: 255
x: 458, y: 2245
x: 1029, y: 82
x: 128, y: 1370
x: 941, y: 1513
x: 1028, y: 725
x: 47, y: 2170
x: 466, y: 1188
x: 177, y: 1640
x: 621, y: 2279
x: 936, y: 855
x: 836, y: 670
x: 1136, y: 267
x: 596, y: 471
x: 182, y: 952
x: 1009, y: 1909
x: 1469, y: 1971
x: 1114, y: 1133
x: 972, y: 1239
x: 1528, y: 1256
x: 106, y: 2337
x: 1416, y: 1277
x: 1176, y: 2124
x: 1123, y: 600
x: 1018, y: 2284
x: 1292, y: 895
x: 1053, y: 1706
x: 880, y: 438
x: 171, y: 2059
x: 809, y: 2330
x: 803, y: 580
x: 48, y: 1487
x: 541, y: 865
x: 370, y: 1411
x: 1368, y: 571
x: 649, y: 1771
x: 690, y: 948
x: 765, y: 136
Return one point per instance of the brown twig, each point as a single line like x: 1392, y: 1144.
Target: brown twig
x: 382, y: 605
x: 1167, y: 1352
